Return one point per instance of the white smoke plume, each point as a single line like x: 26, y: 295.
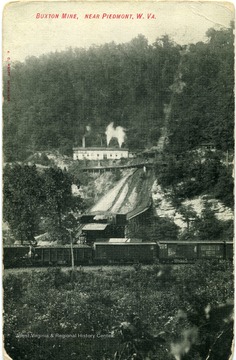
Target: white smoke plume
x: 118, y: 133
x: 189, y: 337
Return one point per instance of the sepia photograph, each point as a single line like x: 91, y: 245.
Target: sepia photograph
x: 118, y: 180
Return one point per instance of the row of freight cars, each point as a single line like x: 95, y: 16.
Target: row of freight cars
x: 117, y: 253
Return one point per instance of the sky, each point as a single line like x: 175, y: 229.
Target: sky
x: 185, y: 22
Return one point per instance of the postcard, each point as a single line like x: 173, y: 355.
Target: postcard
x: 118, y: 205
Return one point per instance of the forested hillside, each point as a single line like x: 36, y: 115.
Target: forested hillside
x: 184, y: 93
x: 202, y: 114
x: 204, y: 110
x: 54, y: 97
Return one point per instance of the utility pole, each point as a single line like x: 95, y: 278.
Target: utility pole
x: 227, y: 159
x: 72, y: 253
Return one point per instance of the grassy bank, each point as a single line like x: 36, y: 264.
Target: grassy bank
x: 152, y: 312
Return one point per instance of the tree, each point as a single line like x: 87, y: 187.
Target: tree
x: 208, y: 227
x: 58, y: 202
x: 157, y: 228
x: 163, y: 228
x: 224, y: 189
x: 188, y: 214
x: 22, y: 200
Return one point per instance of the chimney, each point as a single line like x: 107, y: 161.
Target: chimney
x: 83, y: 142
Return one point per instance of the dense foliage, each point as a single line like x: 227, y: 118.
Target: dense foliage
x: 155, y: 229
x: 141, y: 313
x: 205, y: 225
x: 22, y: 200
x: 201, y: 115
x: 193, y: 174
x: 54, y: 97
x: 36, y: 202
x: 204, y: 110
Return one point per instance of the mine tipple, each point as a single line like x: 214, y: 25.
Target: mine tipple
x: 101, y: 226
x: 118, y: 251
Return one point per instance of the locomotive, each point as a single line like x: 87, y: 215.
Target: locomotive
x: 103, y: 253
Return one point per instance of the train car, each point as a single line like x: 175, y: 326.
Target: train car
x: 177, y: 251
x: 16, y: 256
x: 61, y: 255
x: 189, y: 251
x: 229, y: 250
x: 124, y: 253
x: 57, y: 255
x: 117, y: 252
x: 211, y: 250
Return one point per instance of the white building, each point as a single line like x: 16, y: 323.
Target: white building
x: 99, y: 153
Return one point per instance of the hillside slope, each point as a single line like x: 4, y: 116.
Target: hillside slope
x: 131, y: 194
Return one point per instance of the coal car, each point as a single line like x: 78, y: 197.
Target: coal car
x: 189, y: 251
x: 124, y: 253
x: 57, y: 255
x: 117, y: 252
x: 16, y: 256
x: 61, y: 255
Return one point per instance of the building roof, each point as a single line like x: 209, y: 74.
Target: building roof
x: 191, y: 242
x: 124, y: 240
x: 99, y: 148
x: 124, y: 244
x: 94, y: 226
x: 118, y: 240
x: 49, y: 246
x: 100, y: 217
